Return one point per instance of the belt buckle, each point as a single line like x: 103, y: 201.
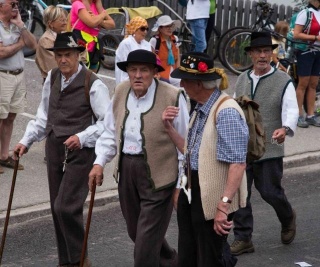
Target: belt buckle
x: 16, y: 72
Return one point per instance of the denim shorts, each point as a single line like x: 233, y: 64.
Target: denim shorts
x: 308, y: 63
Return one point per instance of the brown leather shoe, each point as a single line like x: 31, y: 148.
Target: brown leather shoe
x: 239, y: 247
x: 10, y: 163
x: 288, y: 233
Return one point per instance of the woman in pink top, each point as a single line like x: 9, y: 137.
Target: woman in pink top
x: 86, y: 24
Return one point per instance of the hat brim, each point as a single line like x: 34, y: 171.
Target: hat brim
x: 176, y: 23
x: 79, y: 48
x: 248, y: 48
x: 124, y: 64
x: 177, y: 73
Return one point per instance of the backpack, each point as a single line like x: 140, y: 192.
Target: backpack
x: 158, y: 42
x: 306, y: 29
x: 257, y: 137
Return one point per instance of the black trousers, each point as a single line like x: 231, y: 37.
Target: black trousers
x: 68, y: 192
x: 266, y: 176
x: 199, y: 245
x: 147, y: 214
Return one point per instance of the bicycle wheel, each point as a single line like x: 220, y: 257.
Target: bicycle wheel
x: 224, y: 37
x: 234, y: 57
x: 110, y: 43
x: 37, y: 28
x: 213, y: 43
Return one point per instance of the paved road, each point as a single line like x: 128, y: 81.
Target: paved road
x: 32, y: 243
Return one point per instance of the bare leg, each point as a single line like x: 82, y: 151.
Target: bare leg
x: 6, y: 128
x: 301, y: 90
x: 311, y: 94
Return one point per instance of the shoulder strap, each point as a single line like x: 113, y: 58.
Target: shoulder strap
x: 158, y: 41
x: 87, y: 87
x: 307, y: 26
x: 219, y: 104
x: 54, y: 75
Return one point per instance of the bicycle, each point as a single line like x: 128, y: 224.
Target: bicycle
x: 233, y: 41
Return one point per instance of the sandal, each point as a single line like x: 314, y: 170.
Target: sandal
x: 9, y: 163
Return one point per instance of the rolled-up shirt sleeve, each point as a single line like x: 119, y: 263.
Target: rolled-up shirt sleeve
x: 233, y: 136
x: 106, y: 147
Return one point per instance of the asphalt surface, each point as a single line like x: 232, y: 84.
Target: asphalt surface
x: 31, y: 198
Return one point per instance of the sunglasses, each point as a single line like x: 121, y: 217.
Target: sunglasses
x: 143, y: 29
x: 168, y: 26
x: 12, y: 4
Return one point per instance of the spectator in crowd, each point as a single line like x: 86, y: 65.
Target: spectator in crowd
x: 282, y: 28
x: 274, y: 91
x: 211, y: 21
x: 13, y: 37
x: 166, y: 46
x: 70, y: 116
x: 135, y: 38
x: 86, y: 25
x: 55, y: 20
x: 308, y: 63
x: 197, y: 15
x: 147, y: 161
x: 216, y: 149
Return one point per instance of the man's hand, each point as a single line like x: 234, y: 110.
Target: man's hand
x: 96, y: 174
x: 19, y: 150
x: 279, y: 135
x: 73, y: 142
x: 221, y: 224
x: 168, y: 116
x: 17, y: 20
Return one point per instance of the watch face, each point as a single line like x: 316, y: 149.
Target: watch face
x: 225, y: 199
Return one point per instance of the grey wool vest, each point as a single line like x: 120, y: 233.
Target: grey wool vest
x: 69, y: 110
x: 268, y: 94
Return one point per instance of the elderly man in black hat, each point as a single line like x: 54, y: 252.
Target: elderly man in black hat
x: 70, y: 116
x: 147, y: 160
x: 215, y: 153
x: 274, y: 92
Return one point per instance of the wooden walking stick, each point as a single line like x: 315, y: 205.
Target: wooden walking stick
x: 16, y: 165
x: 86, y: 234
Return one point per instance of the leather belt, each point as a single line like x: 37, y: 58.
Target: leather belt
x: 12, y: 72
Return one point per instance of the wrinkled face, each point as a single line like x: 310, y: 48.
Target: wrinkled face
x: 59, y: 25
x: 67, y: 60
x: 141, y: 77
x: 261, y: 57
x: 191, y: 88
x: 141, y: 33
x: 166, y: 30
x: 10, y: 8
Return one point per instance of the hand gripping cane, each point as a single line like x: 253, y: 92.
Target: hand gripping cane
x: 86, y: 234
x: 16, y: 165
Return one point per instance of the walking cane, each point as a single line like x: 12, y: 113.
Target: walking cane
x: 86, y: 234
x: 16, y: 165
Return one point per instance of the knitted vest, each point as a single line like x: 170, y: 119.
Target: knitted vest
x: 69, y: 110
x: 159, y: 151
x: 268, y: 94
x: 163, y: 55
x: 213, y: 174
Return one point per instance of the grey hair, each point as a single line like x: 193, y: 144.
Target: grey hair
x: 209, y: 84
x: 52, y: 13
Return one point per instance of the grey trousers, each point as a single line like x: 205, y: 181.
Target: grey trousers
x: 68, y: 192
x: 266, y: 176
x: 147, y: 214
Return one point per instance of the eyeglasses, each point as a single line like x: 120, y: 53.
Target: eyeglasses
x: 168, y: 26
x: 61, y: 20
x: 257, y: 52
x: 143, y: 29
x: 12, y: 4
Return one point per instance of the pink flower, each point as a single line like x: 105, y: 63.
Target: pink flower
x: 202, y: 67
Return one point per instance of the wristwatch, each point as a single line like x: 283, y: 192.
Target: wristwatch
x: 226, y: 200
x: 286, y: 128
x: 23, y: 28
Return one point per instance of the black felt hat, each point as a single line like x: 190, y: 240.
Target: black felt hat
x: 140, y: 56
x: 196, y: 66
x: 260, y: 39
x: 67, y: 40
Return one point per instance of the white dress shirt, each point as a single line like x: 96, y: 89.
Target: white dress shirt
x: 126, y: 46
x: 99, y: 101
x: 106, y: 146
